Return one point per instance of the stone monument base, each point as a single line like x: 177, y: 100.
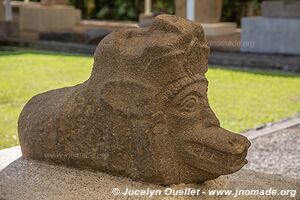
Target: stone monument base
x: 271, y: 35
x: 37, y: 17
x: 24, y: 179
x: 218, y: 29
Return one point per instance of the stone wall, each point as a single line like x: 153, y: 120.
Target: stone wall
x: 48, y: 18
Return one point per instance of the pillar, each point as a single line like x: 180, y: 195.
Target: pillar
x: 8, y: 10
x: 190, y: 10
x: 147, y: 7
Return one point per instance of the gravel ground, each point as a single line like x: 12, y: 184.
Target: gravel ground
x: 276, y: 153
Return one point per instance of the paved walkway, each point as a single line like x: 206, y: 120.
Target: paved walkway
x: 276, y: 153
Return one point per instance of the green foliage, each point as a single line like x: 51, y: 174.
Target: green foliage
x: 120, y: 9
x: 240, y: 99
x: 233, y: 11
x: 164, y: 6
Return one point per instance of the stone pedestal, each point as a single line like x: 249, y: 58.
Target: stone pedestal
x: 281, y: 8
x: 208, y: 13
x: 48, y: 18
x: 276, y: 32
x: 21, y: 179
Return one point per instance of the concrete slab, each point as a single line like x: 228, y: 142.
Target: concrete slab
x: 24, y: 179
x: 271, y: 35
x: 275, y: 127
x: 218, y: 29
x: 9, y: 155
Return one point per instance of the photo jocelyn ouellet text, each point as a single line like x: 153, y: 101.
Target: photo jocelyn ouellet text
x: 197, y: 192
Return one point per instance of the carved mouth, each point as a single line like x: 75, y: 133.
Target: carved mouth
x: 214, y: 161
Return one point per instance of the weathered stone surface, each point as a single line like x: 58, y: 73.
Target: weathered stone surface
x: 143, y: 113
x: 22, y: 179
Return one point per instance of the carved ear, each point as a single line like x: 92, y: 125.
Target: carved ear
x: 128, y: 96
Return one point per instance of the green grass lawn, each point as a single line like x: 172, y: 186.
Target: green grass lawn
x: 240, y: 99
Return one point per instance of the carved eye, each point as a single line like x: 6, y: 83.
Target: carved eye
x: 189, y: 104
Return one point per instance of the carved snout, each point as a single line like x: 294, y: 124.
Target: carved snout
x: 218, y: 151
x: 227, y: 142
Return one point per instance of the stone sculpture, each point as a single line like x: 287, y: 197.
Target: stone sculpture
x: 143, y: 113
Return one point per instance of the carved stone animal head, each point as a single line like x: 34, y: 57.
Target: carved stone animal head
x: 143, y: 113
